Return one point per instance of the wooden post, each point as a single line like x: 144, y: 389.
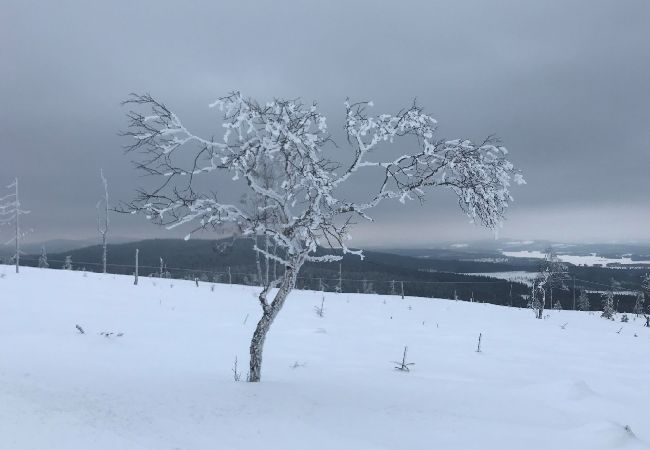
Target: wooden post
x: 229, y: 276
x: 574, y: 292
x: 340, y: 278
x: 17, y: 228
x: 402, y: 286
x: 135, y: 281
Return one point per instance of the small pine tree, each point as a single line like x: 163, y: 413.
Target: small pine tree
x: 42, y: 260
x: 67, y: 265
x: 608, y: 305
x: 557, y: 306
x: 638, y: 304
x: 583, y: 301
x: 645, y: 284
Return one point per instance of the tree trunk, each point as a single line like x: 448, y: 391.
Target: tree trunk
x: 260, y: 281
x: 268, y: 316
x: 266, y: 261
x: 104, y: 253
x: 542, y: 303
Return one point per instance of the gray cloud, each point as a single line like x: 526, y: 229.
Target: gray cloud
x: 566, y: 85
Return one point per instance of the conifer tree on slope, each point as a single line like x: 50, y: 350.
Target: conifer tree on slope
x: 42, y: 260
x: 608, y: 305
x: 583, y: 301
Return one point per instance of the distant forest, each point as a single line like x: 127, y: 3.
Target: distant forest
x: 234, y: 261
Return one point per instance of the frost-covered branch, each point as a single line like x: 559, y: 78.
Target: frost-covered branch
x: 274, y: 152
x: 10, y: 213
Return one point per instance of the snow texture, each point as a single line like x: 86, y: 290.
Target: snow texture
x: 167, y: 382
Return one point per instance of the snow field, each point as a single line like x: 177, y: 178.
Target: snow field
x: 328, y: 383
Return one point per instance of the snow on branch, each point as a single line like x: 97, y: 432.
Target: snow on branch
x: 276, y: 150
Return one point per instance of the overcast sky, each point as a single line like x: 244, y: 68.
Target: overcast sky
x: 564, y: 84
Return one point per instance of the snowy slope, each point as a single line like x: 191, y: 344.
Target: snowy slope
x: 167, y: 383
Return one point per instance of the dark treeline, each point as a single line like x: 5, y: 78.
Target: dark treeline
x: 227, y: 260
x: 233, y: 261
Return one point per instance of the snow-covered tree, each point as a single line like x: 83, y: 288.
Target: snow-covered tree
x: 67, y: 264
x: 608, y: 305
x: 645, y: 284
x: 10, y: 213
x: 304, y: 206
x: 615, y: 284
x: 42, y: 260
x: 583, y: 301
x: 639, y: 303
x: 367, y: 287
x: 102, y: 220
x: 557, y: 305
x: 557, y: 273
x: 538, y: 298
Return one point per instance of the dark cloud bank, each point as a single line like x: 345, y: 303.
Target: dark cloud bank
x: 566, y: 85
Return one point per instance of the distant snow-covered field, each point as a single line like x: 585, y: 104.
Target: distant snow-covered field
x: 328, y: 383
x: 518, y: 276
x: 578, y: 260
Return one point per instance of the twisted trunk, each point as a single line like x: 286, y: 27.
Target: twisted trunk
x: 104, y: 253
x: 542, y: 304
x: 269, y: 313
x: 260, y: 281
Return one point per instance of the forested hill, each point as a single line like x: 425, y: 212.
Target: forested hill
x: 380, y: 272
x: 203, y: 254
x: 225, y: 260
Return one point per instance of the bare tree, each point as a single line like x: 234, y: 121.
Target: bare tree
x: 304, y: 207
x: 10, y: 213
x: 557, y: 274
x: 402, y: 365
x: 102, y: 220
x: 638, y: 303
x: 540, y: 287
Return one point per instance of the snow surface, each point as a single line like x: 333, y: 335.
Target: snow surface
x: 167, y: 383
x: 518, y: 276
x: 584, y: 260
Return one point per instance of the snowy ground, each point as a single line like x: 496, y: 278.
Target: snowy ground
x: 578, y: 260
x: 167, y: 383
x: 518, y: 276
